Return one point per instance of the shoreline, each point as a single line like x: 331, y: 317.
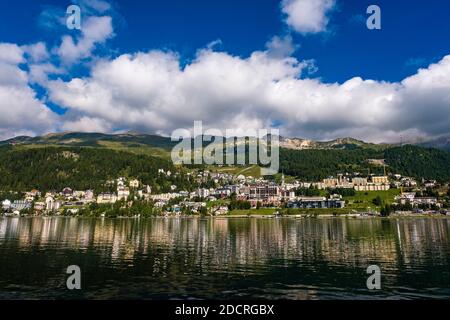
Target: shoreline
x: 267, y: 217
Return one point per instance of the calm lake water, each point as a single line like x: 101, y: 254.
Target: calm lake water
x: 224, y: 258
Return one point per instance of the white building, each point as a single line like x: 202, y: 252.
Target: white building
x: 134, y: 183
x: 105, y: 198
x: 6, y: 205
x: 202, y: 192
x: 358, y: 181
x: 123, y: 193
x: 89, y: 195
x: 51, y: 204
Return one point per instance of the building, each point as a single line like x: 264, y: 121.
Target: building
x: 79, y: 194
x: 6, y: 205
x: 89, y: 195
x: 288, y: 194
x: 410, y: 198
x: 358, y: 181
x: 406, y: 197
x: 317, y: 203
x: 67, y: 192
x: 20, y: 205
x: 39, y: 206
x: 106, y: 198
x: 380, y: 179
x: 145, y: 192
x: 134, y: 183
x: 262, y: 192
x: 164, y: 196
x: 330, y: 182
x: 123, y: 193
x: 223, y: 192
x: 51, y: 204
x: 32, y: 195
x: 372, y: 187
x: 203, y: 192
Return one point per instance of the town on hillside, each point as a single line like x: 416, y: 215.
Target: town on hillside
x: 226, y: 194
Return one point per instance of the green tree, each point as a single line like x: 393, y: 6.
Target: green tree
x: 385, y: 211
x: 377, y: 201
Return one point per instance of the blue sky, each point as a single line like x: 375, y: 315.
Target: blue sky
x: 414, y: 35
x: 413, y: 32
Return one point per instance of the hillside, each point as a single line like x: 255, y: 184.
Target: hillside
x: 53, y: 168
x: 406, y: 160
x: 22, y: 158
x: 152, y: 145
x: 340, y: 143
x: 133, y: 140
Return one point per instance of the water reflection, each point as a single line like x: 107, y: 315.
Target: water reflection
x: 225, y: 258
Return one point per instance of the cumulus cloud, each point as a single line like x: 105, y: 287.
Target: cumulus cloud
x: 156, y: 92
x: 86, y: 124
x: 307, y: 16
x: 21, y: 112
x: 11, y: 53
x: 151, y: 92
x: 93, y: 6
x: 280, y: 47
x: 94, y: 31
x: 36, y: 52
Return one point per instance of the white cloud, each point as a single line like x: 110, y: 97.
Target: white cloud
x: 156, y: 92
x: 86, y: 124
x: 279, y: 47
x: 94, y: 5
x: 11, y: 53
x: 150, y: 92
x: 307, y: 16
x: 94, y: 31
x: 36, y: 52
x: 21, y: 112
x: 39, y: 73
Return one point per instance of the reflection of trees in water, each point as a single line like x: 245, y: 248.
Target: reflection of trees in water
x: 225, y: 243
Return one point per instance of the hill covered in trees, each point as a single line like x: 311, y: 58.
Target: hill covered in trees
x: 53, y: 168
x: 87, y: 160
x: 406, y: 160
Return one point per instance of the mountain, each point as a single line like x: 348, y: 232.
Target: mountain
x: 153, y: 145
x: 134, y: 140
x: 340, y: 143
x: 93, y: 139
x: 306, y: 159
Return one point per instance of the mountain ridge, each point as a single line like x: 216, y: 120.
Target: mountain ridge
x: 131, y: 138
x: 70, y: 137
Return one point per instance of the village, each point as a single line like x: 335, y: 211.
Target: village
x: 243, y: 195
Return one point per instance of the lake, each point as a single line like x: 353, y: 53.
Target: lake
x: 220, y: 258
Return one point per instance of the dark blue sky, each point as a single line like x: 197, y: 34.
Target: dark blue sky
x: 414, y: 32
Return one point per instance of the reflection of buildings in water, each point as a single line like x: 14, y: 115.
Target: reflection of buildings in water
x: 212, y: 243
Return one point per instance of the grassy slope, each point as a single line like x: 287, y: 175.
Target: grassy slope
x: 363, y: 200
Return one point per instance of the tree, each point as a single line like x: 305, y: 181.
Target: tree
x: 377, y: 201
x: 386, y: 211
